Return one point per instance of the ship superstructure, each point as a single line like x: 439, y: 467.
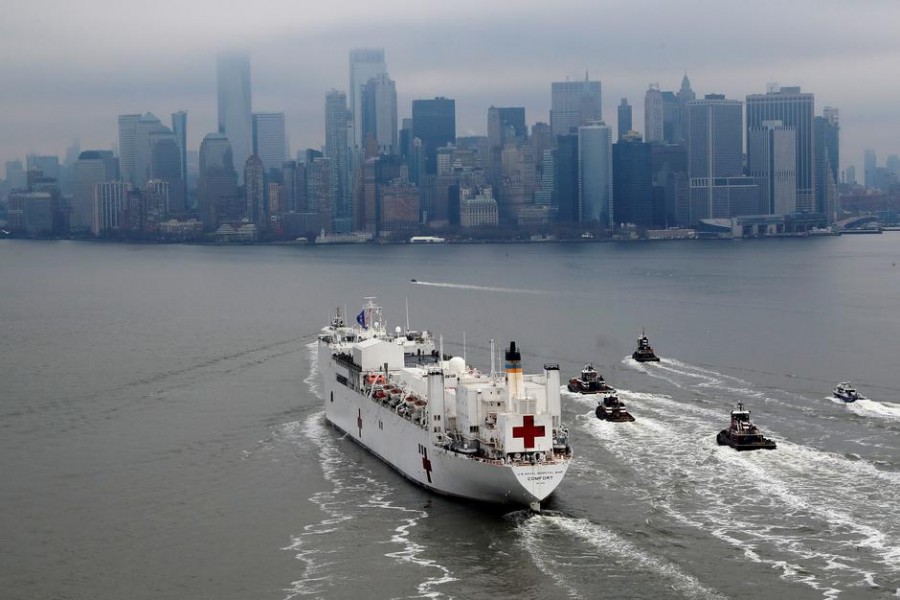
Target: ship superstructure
x: 493, y: 437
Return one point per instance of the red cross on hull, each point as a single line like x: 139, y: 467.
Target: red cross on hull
x: 528, y: 431
x: 426, y: 464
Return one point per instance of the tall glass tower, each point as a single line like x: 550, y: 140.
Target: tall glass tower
x: 365, y: 63
x: 338, y: 152
x: 235, y: 120
x: 595, y: 185
x: 269, y: 142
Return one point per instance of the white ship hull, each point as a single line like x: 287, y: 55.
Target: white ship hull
x: 409, y: 448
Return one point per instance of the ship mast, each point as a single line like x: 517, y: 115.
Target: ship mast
x: 493, y: 368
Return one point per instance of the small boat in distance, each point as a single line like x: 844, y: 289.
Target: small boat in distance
x: 742, y: 434
x: 847, y: 392
x: 590, y: 382
x: 610, y: 408
x: 644, y: 351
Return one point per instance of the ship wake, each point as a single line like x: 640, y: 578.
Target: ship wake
x: 820, y: 519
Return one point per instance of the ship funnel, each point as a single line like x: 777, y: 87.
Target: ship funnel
x: 514, y: 381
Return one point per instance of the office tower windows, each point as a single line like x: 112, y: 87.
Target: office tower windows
x: 715, y: 160
x: 827, y: 161
x: 269, y: 141
x: 773, y: 148
x: 379, y: 115
x: 337, y: 120
x: 653, y: 114
x: 254, y: 191
x: 434, y: 124
x: 624, y: 114
x: 632, y: 175
x: 595, y: 199
x: 795, y: 110
x: 92, y: 167
x: 365, y: 63
x: 217, y: 193
x: 573, y: 104
x: 565, y: 179
x: 127, y: 141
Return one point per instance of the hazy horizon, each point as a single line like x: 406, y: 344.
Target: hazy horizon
x: 72, y: 69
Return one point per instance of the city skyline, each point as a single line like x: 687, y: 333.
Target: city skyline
x: 66, y: 90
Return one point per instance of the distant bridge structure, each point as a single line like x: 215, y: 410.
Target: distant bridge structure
x: 857, y: 222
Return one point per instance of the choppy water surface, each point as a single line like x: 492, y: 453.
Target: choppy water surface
x: 162, y: 432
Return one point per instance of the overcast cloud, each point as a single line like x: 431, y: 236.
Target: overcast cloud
x: 69, y: 69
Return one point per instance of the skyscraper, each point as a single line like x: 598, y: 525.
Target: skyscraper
x: 179, y: 128
x: 338, y: 152
x: 109, y: 204
x: 870, y: 166
x: 254, y: 191
x: 379, y: 114
x: 632, y: 175
x: 715, y: 140
x: 715, y: 160
x: 827, y: 161
x: 595, y: 185
x: 565, y: 178
x: 217, y: 194
x: 794, y: 109
x: 165, y: 166
x: 233, y: 78
x: 127, y: 135
x: 365, y: 63
x: 269, y: 144
x: 685, y: 94
x: 147, y: 131
x: 653, y: 114
x: 503, y: 125
x: 92, y: 167
x: 434, y: 123
x: 624, y: 114
x: 573, y: 104
x: 773, y: 148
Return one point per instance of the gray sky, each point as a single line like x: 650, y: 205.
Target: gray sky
x: 70, y: 68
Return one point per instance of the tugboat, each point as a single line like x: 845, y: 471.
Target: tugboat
x: 610, y: 408
x: 742, y: 434
x: 847, y: 392
x: 590, y: 382
x: 644, y: 351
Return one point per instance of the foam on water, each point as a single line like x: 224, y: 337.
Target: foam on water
x: 872, y: 408
x: 608, y: 547
x: 697, y: 378
x: 482, y: 288
x: 355, y: 492
x: 755, y: 501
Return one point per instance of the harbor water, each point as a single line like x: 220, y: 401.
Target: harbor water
x: 162, y: 433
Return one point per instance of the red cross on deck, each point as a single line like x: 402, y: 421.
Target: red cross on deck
x: 528, y: 432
